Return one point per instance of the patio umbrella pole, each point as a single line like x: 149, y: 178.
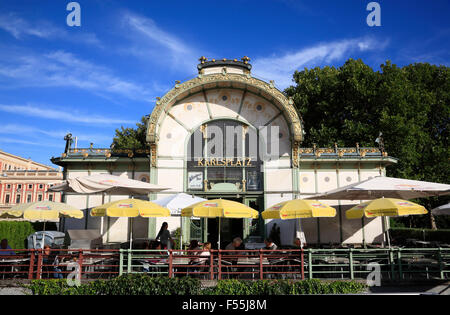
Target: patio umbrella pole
x: 300, y: 232
x: 131, y: 233
x: 218, y: 243
x: 181, y: 232
x: 387, y: 231
x: 43, y: 237
x: 101, y: 219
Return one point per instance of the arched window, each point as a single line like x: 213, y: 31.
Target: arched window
x: 223, y: 155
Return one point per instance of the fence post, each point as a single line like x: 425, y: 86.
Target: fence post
x: 399, y: 259
x: 261, y: 271
x: 441, y: 271
x: 392, y: 263
x: 129, y: 261
x: 310, y: 271
x: 170, y: 263
x: 31, y: 269
x: 39, y: 264
x: 80, y: 263
x: 120, y: 262
x: 302, y: 260
x: 219, y: 276
x: 350, y: 256
x: 211, y: 265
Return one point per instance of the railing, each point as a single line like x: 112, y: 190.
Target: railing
x: 394, y: 263
x: 58, y: 263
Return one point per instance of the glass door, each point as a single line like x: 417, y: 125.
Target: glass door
x: 254, y: 228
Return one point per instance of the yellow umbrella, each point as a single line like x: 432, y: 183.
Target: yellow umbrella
x: 385, y: 207
x: 388, y: 207
x: 299, y: 209
x: 43, y: 211
x: 220, y: 208
x: 130, y: 208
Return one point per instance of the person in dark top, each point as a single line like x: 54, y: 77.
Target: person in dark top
x: 270, y: 245
x: 50, y: 264
x: 164, y: 236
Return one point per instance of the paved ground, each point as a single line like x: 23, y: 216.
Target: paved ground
x: 442, y: 289
x: 14, y: 291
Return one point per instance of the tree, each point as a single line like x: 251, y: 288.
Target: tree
x: 130, y: 138
x: 409, y: 105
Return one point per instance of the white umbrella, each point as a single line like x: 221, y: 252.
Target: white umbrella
x: 177, y: 202
x: 388, y: 187
x: 106, y: 183
x: 114, y: 185
x: 442, y: 210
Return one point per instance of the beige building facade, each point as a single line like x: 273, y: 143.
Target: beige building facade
x: 23, y: 181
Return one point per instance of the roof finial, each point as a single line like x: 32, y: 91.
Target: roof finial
x: 203, y: 59
x: 245, y: 59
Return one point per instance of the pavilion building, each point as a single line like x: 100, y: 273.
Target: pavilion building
x: 189, y: 134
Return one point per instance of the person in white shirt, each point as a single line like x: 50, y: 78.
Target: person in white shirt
x: 205, y: 253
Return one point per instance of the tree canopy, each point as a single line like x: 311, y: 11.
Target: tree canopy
x: 354, y: 103
x: 131, y: 138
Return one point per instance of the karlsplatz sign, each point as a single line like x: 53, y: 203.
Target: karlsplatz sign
x: 236, y: 162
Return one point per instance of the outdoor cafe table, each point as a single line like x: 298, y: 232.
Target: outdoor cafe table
x: 12, y: 263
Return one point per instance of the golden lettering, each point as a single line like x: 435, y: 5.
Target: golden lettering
x: 200, y: 162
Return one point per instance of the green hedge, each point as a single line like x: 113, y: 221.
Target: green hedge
x: 145, y: 285
x: 284, y: 287
x: 16, y: 232
x: 420, y: 234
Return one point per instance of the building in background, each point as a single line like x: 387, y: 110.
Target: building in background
x: 23, y: 180
x: 194, y: 114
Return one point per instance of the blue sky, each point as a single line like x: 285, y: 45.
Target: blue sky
x: 92, y: 79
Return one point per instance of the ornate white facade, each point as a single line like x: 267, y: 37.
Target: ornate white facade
x: 225, y: 94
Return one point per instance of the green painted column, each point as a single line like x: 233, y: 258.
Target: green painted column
x: 151, y: 230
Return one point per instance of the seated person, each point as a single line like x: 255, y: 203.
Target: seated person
x: 235, y: 245
x: 270, y: 245
x: 5, y: 249
x: 50, y: 263
x: 205, y: 253
x: 298, y: 243
x: 193, y: 249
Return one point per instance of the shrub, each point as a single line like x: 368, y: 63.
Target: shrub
x: 145, y: 285
x: 284, y: 287
x: 123, y: 285
x: 16, y: 232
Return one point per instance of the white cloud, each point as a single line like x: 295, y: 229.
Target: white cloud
x: 21, y: 28
x: 52, y: 138
x: 27, y: 142
x: 149, y: 40
x: 62, y: 115
x: 281, y: 68
x: 63, y: 69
